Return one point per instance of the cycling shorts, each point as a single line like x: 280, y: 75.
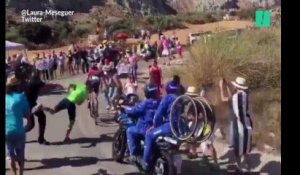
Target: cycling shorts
x: 94, y: 86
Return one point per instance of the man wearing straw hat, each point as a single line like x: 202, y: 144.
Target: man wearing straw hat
x: 241, y: 123
x: 16, y: 108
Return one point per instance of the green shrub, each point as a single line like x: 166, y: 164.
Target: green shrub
x: 36, y: 32
x: 82, y: 30
x: 255, y: 55
x: 246, y: 14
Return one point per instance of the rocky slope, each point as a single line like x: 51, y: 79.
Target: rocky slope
x: 141, y: 6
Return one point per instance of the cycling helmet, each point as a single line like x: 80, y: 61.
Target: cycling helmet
x: 172, y: 88
x: 150, y: 91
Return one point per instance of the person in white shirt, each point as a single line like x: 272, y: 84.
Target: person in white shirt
x: 23, y: 59
x: 50, y: 63
x: 45, y: 67
x: 61, y: 63
x: 130, y: 87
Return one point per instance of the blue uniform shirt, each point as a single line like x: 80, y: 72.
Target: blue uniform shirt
x: 163, y: 112
x: 144, y: 111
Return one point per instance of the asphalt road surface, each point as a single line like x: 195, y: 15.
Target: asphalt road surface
x: 90, y: 151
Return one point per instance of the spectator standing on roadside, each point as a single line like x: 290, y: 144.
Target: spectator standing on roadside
x: 240, y: 120
x: 55, y: 64
x: 77, y: 59
x: 61, y: 63
x: 34, y: 87
x: 45, y: 67
x: 16, y: 108
x: 70, y: 62
x: 85, y: 64
x: 24, y: 59
x: 179, y: 48
x: 39, y: 66
x: 50, y: 60
x: 165, y: 49
x: 132, y: 59
x: 155, y: 75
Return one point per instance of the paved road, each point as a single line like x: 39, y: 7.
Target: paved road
x: 89, y: 153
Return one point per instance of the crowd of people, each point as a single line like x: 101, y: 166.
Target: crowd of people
x: 101, y: 65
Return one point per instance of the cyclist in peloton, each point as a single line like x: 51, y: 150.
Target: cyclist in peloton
x: 93, y: 81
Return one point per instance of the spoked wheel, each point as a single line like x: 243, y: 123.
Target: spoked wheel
x: 93, y: 107
x: 164, y: 165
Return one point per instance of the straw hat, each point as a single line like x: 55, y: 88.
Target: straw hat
x: 105, y: 42
x: 12, y: 81
x: 240, y: 83
x: 191, y: 90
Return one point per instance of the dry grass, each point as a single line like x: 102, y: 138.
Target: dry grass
x: 255, y: 55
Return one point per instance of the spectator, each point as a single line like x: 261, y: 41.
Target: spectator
x: 179, y: 48
x: 45, y: 67
x: 24, y: 59
x: 70, y: 62
x: 165, y: 49
x: 130, y: 87
x: 34, y: 87
x: 77, y: 59
x: 17, y: 108
x: 172, y: 47
x: 155, y: 75
x: 241, y: 123
x: 84, y: 57
x: 61, y: 63
x: 132, y: 59
x: 55, y: 64
x: 50, y: 61
x: 39, y: 66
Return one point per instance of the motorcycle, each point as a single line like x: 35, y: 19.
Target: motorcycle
x: 119, y: 146
x: 166, y: 159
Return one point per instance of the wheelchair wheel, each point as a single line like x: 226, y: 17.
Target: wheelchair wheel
x: 183, y: 118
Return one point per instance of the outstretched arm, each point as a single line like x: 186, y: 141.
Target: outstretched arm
x: 224, y: 98
x: 136, y: 110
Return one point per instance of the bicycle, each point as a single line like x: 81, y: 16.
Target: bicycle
x: 93, y: 106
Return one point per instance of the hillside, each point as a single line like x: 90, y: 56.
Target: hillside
x: 141, y: 6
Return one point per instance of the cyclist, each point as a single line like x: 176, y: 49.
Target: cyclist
x: 77, y: 94
x: 144, y: 111
x: 93, y: 82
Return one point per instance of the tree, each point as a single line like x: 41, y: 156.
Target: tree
x: 36, y: 32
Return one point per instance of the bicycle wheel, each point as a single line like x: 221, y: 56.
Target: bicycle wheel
x: 207, y: 123
x: 93, y: 106
x: 183, y: 118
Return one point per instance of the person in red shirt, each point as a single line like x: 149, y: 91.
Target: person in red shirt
x: 155, y: 75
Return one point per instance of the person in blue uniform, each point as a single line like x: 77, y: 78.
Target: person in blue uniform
x: 144, y: 111
x: 161, y: 124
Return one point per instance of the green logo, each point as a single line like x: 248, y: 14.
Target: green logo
x: 262, y: 19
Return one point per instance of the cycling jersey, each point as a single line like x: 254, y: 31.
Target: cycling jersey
x: 78, y: 95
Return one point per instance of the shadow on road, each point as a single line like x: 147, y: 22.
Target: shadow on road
x: 92, y: 141
x: 272, y: 167
x: 202, y: 166
x: 66, y: 161
x: 254, y: 159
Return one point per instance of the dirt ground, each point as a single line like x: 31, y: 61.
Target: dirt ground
x: 182, y: 34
